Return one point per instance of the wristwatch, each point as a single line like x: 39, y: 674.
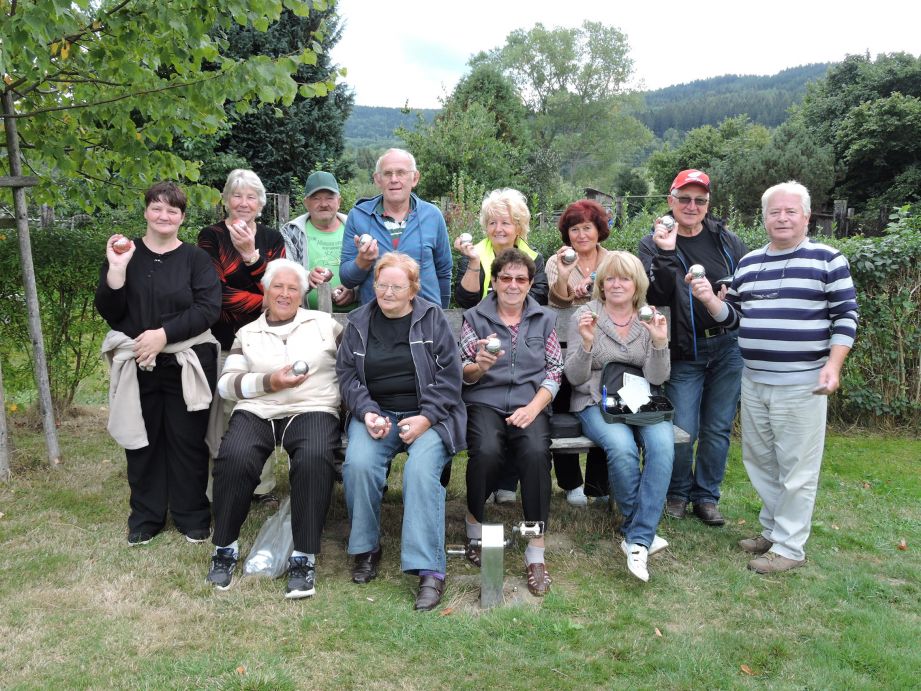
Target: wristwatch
x: 253, y: 259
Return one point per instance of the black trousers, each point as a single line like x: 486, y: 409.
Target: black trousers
x: 171, y: 472
x: 310, y: 440
x: 492, y: 444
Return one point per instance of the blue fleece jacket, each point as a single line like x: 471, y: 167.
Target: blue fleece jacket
x: 425, y: 239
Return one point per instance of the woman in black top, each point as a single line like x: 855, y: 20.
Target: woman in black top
x: 160, y: 296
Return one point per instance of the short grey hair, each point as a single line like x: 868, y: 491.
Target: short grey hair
x: 241, y: 177
x: 789, y: 187
x: 273, y: 267
x: 404, y: 152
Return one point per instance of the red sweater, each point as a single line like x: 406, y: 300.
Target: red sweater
x: 241, y: 290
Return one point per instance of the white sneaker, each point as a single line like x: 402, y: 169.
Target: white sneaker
x: 505, y: 496
x: 658, y: 544
x: 636, y: 559
x: 576, y: 497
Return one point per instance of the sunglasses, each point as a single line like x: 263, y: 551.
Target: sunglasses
x: 685, y: 200
x: 505, y: 279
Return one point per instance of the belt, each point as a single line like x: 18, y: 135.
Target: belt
x: 715, y: 331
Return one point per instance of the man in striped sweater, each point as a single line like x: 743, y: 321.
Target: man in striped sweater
x: 796, y: 307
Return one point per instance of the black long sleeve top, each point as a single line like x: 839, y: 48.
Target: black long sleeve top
x: 178, y: 290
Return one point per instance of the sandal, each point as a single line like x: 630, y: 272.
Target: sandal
x: 538, y: 579
x: 472, y: 552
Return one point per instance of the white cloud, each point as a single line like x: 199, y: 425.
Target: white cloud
x: 417, y: 50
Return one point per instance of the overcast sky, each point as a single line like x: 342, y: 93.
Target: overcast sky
x: 417, y: 50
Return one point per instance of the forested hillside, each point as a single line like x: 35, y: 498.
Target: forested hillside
x: 764, y: 100
x: 682, y: 107
x: 370, y: 125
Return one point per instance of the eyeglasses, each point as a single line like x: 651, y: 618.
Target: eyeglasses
x: 505, y: 279
x: 685, y: 200
x: 387, y: 287
x: 768, y: 294
x: 399, y: 174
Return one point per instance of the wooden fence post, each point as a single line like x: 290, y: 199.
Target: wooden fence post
x: 840, y: 217
x: 283, y: 205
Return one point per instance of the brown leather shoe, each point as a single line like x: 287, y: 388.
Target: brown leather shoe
x: 430, y: 592
x: 676, y: 508
x: 771, y: 562
x: 538, y: 579
x: 709, y: 514
x: 756, y: 545
x: 364, y: 569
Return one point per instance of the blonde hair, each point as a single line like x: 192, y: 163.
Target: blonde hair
x: 507, y: 202
x: 622, y: 265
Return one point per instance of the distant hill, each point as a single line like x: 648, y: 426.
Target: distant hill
x: 374, y: 126
x: 682, y: 107
x: 709, y: 101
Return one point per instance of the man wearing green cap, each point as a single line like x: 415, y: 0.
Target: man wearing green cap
x: 314, y: 239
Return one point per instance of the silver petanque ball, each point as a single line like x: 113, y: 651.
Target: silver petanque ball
x: 465, y: 238
x: 569, y: 256
x: 364, y: 239
x: 646, y: 314
x: 299, y: 367
x: 697, y: 271
x: 493, y: 345
x: 667, y: 221
x: 404, y: 428
x: 379, y: 422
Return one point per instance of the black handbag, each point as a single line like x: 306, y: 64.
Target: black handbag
x: 613, y: 408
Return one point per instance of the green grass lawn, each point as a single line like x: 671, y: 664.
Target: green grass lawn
x: 80, y: 609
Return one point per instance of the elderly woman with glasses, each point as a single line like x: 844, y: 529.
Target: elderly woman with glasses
x: 512, y: 371
x: 706, y: 370
x: 505, y: 220
x: 607, y: 329
x: 281, y: 374
x: 240, y: 249
x: 400, y: 377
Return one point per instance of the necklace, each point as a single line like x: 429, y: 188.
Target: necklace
x: 626, y: 323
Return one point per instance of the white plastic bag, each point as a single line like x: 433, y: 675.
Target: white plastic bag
x: 273, y: 545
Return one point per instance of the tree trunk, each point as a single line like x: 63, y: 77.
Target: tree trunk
x: 4, y: 436
x: 28, y: 280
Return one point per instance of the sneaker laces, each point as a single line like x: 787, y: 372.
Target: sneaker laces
x: 299, y: 567
x: 223, y: 559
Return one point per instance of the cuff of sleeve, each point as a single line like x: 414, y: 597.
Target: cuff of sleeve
x: 551, y: 386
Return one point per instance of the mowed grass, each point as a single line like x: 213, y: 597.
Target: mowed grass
x: 80, y: 609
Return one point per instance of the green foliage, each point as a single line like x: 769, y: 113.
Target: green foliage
x: 882, y: 377
x: 867, y: 111
x: 765, y: 100
x: 104, y: 89
x: 572, y: 82
x: 462, y: 140
x: 283, y: 141
x: 374, y: 126
x: 67, y: 260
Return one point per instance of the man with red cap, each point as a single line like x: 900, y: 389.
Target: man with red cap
x: 706, y: 365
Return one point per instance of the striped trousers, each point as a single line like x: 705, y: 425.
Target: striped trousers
x: 310, y: 440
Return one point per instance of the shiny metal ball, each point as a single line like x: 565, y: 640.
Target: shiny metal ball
x: 465, y: 238
x: 667, y: 221
x: 646, y: 313
x: 569, y: 256
x: 493, y: 345
x: 697, y: 271
x: 364, y: 239
x: 299, y: 367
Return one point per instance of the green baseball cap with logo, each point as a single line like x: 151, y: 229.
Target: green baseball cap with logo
x: 321, y: 180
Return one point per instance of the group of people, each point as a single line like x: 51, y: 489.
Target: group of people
x: 218, y: 351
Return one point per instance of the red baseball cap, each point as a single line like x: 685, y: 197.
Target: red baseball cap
x: 691, y: 177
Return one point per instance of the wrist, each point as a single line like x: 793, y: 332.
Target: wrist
x: 252, y: 258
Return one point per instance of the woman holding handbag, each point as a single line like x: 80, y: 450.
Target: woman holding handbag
x: 608, y: 329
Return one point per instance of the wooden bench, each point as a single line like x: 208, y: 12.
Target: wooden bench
x: 455, y: 316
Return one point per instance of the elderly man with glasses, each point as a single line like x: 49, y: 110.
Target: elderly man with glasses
x: 796, y: 305
x: 706, y: 366
x: 397, y: 220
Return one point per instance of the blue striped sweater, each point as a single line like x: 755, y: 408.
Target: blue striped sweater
x: 791, y: 307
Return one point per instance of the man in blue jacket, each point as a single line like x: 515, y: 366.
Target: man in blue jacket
x: 397, y: 220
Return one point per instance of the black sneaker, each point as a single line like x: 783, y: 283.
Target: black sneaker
x: 139, y: 537
x: 197, y: 535
x: 302, y: 578
x: 223, y: 563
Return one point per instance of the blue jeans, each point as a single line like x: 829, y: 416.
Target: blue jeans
x: 640, y: 493
x: 705, y: 393
x: 364, y: 475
